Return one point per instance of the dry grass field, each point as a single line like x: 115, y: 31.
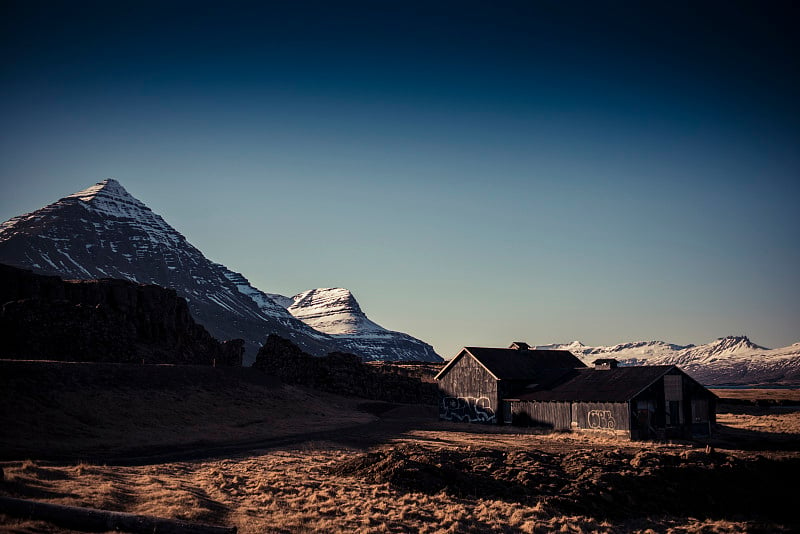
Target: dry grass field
x: 97, y: 411
x: 299, y: 461
x: 776, y: 395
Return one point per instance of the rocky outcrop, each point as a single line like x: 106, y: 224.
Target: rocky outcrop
x: 346, y: 374
x: 47, y: 318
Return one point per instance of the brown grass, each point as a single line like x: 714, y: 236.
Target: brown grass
x: 69, y: 410
x: 294, y: 491
x: 759, y: 394
x: 295, y: 488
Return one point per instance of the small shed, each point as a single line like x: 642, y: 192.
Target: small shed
x: 638, y: 402
x: 473, y: 384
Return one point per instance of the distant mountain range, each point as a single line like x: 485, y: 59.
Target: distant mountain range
x: 732, y: 360
x: 104, y: 232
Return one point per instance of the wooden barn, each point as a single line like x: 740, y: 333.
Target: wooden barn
x: 639, y: 402
x: 554, y: 389
x: 473, y: 384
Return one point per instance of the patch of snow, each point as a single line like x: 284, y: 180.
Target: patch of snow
x: 46, y: 258
x: 261, y: 299
x: 219, y: 302
x: 79, y: 266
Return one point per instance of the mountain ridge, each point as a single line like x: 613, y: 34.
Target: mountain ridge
x: 730, y: 360
x: 336, y: 312
x: 104, y: 232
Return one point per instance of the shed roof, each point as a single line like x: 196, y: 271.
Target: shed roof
x: 618, y: 384
x: 518, y: 364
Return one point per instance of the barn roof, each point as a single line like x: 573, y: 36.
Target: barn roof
x: 519, y: 364
x: 618, y: 384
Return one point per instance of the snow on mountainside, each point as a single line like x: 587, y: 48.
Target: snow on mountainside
x: 732, y: 360
x: 735, y: 360
x: 281, y: 300
x: 336, y: 312
x: 333, y: 311
x: 637, y: 352
x: 104, y: 232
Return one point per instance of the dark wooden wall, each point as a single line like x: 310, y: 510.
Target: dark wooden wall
x: 611, y: 416
x: 552, y: 415
x: 468, y: 393
x: 607, y: 416
x: 699, y: 409
x: 696, y: 418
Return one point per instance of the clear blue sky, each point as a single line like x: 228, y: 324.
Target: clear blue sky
x: 475, y: 172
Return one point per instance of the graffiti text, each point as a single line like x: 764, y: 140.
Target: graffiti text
x: 467, y: 409
x: 600, y: 419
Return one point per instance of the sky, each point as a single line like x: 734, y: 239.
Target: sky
x: 474, y: 172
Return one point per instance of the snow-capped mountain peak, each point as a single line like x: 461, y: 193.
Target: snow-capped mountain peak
x: 108, y: 188
x: 333, y: 310
x: 731, y: 344
x: 104, y: 232
x: 111, y: 199
x: 336, y: 312
x: 106, y: 200
x: 327, y: 296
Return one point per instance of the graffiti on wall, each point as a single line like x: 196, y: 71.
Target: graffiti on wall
x: 467, y: 409
x: 600, y: 419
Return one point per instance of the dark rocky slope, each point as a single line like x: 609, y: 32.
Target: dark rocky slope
x: 47, y: 318
x: 347, y: 375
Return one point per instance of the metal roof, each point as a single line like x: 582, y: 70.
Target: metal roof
x: 519, y: 364
x: 618, y: 384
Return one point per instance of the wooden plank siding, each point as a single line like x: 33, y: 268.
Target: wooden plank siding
x: 552, y: 415
x: 699, y: 409
x: 561, y: 415
x: 652, y: 412
x: 648, y: 412
x: 468, y: 393
x: 602, y: 416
